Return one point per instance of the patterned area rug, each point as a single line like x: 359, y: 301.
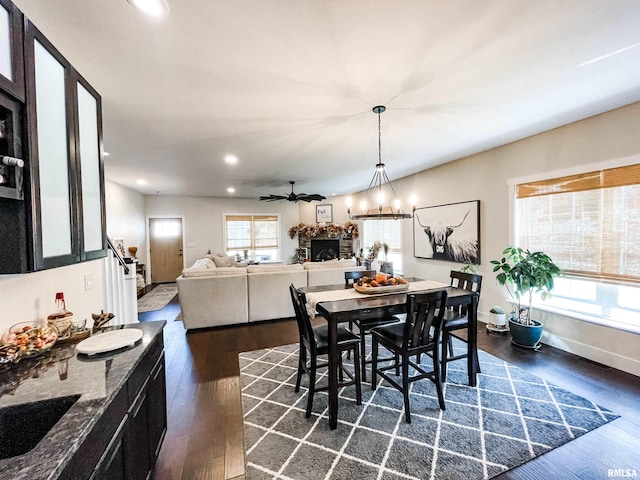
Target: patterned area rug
x: 510, y: 418
x: 157, y: 298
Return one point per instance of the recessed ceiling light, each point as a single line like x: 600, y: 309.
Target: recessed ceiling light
x: 140, y: 181
x: 231, y: 190
x: 231, y: 159
x: 155, y: 8
x: 106, y: 154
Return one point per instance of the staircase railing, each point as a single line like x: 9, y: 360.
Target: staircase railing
x: 119, y: 287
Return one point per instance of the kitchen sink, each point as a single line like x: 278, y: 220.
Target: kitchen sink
x: 23, y: 426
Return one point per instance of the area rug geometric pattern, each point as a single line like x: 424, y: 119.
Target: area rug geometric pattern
x: 508, y: 419
x: 157, y: 298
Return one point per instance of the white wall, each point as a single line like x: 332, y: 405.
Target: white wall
x: 203, y: 220
x: 31, y: 296
x: 600, y: 140
x: 125, y: 217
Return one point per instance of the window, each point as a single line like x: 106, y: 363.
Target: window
x: 589, y: 224
x: 253, y: 236
x: 386, y: 231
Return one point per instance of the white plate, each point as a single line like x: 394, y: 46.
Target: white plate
x: 108, y: 341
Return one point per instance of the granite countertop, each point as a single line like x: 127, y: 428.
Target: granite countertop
x: 62, y: 372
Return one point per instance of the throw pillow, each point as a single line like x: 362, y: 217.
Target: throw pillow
x: 225, y: 261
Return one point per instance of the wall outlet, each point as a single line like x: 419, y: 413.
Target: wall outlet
x: 88, y: 281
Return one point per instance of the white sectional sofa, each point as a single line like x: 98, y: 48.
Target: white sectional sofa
x: 212, y: 296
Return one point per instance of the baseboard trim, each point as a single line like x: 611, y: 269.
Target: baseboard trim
x: 589, y: 352
x: 595, y: 354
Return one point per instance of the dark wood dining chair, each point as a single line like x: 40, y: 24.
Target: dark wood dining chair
x: 418, y: 334
x: 456, y: 318
x: 314, y: 341
x: 352, y: 277
x: 364, y: 326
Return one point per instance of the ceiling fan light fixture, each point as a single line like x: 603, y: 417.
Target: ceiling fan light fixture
x: 294, y: 197
x: 387, y: 204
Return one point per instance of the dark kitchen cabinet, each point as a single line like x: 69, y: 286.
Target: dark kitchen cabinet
x: 61, y: 216
x: 147, y: 425
x: 14, y: 235
x: 126, y: 441
x: 11, y: 63
x: 111, y: 465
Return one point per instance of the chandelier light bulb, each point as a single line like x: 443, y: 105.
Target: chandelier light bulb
x: 363, y: 205
x: 380, y: 198
x: 396, y: 204
x: 349, y: 202
x: 413, y: 199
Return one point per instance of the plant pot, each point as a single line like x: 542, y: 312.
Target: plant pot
x: 498, y: 319
x: 527, y: 336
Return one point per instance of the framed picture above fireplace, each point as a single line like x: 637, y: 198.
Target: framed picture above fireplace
x: 324, y: 213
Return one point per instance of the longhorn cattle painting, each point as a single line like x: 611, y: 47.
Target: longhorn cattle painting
x: 448, y: 232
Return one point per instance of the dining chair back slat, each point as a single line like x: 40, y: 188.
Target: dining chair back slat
x: 305, y: 329
x: 352, y: 277
x: 421, y: 316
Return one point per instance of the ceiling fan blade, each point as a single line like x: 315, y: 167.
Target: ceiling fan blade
x: 293, y: 197
x: 312, y: 197
x: 272, y: 198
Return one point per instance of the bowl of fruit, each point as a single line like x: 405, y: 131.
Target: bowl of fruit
x: 381, y: 283
x: 31, y: 338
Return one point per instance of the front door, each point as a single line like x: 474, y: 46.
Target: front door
x: 165, y: 243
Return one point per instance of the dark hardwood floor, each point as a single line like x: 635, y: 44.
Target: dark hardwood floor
x: 205, y: 427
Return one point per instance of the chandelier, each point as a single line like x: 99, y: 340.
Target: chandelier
x: 380, y: 200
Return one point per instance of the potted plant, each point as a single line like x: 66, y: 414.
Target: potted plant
x: 498, y: 319
x: 524, y: 273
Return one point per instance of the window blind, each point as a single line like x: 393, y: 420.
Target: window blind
x: 251, y: 232
x: 588, y: 223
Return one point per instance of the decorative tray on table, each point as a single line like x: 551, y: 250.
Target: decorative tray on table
x: 380, y: 289
x: 75, y: 336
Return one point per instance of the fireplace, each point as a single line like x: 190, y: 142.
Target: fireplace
x: 324, y: 249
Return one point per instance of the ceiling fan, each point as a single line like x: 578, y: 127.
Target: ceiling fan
x: 293, y: 197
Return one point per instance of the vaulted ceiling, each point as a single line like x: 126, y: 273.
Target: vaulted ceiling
x: 288, y: 86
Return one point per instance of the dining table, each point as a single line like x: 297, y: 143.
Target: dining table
x: 342, y: 303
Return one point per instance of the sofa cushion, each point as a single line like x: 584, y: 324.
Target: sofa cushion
x: 213, y: 300
x: 273, y: 268
x: 223, y: 261
x: 213, y: 272
x: 329, y: 264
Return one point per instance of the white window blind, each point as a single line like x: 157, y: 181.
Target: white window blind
x: 252, y: 232
x: 589, y: 224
